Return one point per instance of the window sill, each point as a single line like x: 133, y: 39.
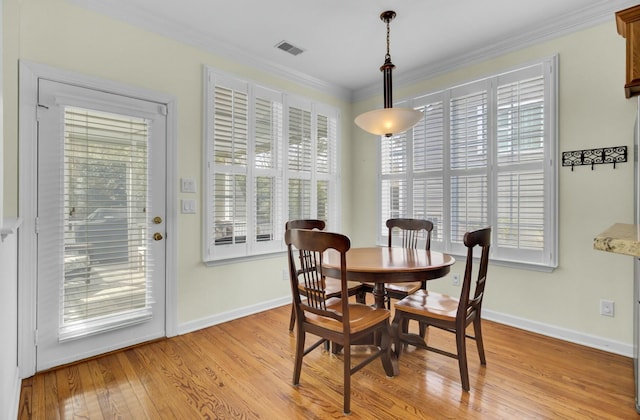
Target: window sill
x: 517, y: 265
x: 243, y: 259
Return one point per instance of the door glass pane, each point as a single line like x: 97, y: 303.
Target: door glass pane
x: 105, y: 177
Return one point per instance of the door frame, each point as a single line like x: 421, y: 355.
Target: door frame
x: 29, y: 73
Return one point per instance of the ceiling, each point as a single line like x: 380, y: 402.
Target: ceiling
x: 344, y: 41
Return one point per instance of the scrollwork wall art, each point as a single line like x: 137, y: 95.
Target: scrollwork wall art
x: 613, y: 155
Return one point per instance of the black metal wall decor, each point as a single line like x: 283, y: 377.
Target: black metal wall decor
x: 593, y: 157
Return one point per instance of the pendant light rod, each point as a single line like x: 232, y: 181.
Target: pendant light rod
x: 388, y: 66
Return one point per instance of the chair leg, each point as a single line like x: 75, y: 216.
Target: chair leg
x: 462, y: 357
x: 297, y: 366
x: 405, y: 325
x: 361, y: 297
x: 478, y: 333
x: 423, y: 329
x: 292, y: 321
x: 347, y: 379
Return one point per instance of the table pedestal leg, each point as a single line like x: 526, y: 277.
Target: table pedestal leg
x: 379, y: 295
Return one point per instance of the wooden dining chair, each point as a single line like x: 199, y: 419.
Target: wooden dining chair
x: 332, y: 319
x: 446, y: 312
x: 333, y: 287
x: 410, y: 232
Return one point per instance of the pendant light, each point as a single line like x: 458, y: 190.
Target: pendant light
x: 388, y: 121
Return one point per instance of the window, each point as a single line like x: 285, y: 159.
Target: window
x: 483, y: 155
x: 271, y: 157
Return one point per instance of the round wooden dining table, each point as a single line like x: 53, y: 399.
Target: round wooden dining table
x: 380, y: 265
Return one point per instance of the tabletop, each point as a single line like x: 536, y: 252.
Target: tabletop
x: 376, y: 264
x: 381, y: 265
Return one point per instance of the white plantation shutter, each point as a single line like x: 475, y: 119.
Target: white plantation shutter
x: 312, y: 162
x: 323, y: 160
x: 428, y: 165
x: 229, y: 167
x: 483, y: 155
x: 520, y: 185
x: 299, y: 165
x: 271, y: 157
x: 469, y: 130
x: 428, y: 203
x: 394, y: 165
x: 326, y: 167
x: 394, y: 155
x: 469, y: 201
x: 267, y: 195
x: 469, y: 161
x: 521, y: 210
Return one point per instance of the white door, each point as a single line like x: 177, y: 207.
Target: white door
x: 100, y: 222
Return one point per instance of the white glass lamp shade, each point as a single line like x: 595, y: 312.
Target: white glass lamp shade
x: 388, y: 121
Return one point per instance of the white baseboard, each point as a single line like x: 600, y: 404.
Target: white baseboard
x: 231, y: 315
x: 549, y: 330
x: 571, y: 336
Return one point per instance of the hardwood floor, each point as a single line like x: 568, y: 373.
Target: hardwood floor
x: 242, y: 370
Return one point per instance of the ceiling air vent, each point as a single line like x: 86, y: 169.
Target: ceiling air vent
x: 291, y: 49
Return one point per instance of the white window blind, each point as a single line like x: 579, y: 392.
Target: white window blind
x: 483, y: 155
x: 271, y: 157
x: 105, y: 230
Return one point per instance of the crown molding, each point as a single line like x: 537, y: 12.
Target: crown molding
x: 554, y: 28
x: 559, y: 26
x: 148, y: 20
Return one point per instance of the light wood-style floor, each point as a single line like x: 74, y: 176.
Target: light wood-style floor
x: 242, y: 370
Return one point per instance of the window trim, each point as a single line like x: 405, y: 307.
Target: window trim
x: 253, y: 249
x: 549, y: 166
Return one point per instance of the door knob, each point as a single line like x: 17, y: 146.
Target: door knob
x: 157, y: 220
x: 157, y: 236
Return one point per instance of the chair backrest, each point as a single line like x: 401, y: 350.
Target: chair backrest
x: 411, y: 230
x: 306, y: 271
x: 471, y: 306
x: 305, y: 224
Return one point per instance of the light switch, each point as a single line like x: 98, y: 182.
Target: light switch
x: 189, y: 206
x: 188, y: 185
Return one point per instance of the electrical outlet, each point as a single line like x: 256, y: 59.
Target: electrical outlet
x: 607, y: 307
x: 285, y: 274
x: 455, y: 280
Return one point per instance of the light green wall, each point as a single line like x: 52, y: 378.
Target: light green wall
x: 58, y: 34
x: 592, y: 112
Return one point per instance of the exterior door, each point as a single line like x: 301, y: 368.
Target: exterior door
x: 100, y: 222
